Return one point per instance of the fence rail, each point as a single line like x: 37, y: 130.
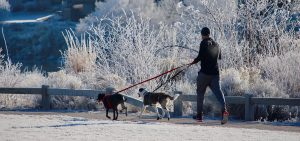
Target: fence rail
x: 247, y: 100
x: 21, y: 90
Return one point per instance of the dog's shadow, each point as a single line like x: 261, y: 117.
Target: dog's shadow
x: 61, y: 125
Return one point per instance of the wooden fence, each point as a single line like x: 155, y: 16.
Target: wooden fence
x: 47, y: 92
x: 247, y: 100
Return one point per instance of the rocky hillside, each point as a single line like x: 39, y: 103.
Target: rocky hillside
x: 36, y: 43
x: 33, y: 30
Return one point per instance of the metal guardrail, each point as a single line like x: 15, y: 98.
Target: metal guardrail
x: 247, y: 100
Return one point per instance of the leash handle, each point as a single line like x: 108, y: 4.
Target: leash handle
x: 153, y: 77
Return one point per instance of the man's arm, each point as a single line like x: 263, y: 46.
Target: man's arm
x: 200, y: 54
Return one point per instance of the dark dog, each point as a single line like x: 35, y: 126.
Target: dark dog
x: 112, y: 102
x: 156, y: 99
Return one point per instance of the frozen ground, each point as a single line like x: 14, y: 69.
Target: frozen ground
x: 62, y: 126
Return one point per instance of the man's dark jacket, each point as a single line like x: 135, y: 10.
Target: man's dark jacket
x: 209, y: 54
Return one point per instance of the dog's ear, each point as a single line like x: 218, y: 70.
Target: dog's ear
x: 140, y: 92
x: 100, y: 96
x: 141, y: 89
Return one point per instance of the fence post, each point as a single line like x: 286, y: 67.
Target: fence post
x: 249, y: 108
x: 178, y: 105
x: 45, y: 98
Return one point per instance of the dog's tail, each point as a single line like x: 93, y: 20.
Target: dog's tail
x: 175, y: 97
x: 124, y: 99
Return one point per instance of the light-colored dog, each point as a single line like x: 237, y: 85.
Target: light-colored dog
x: 156, y: 100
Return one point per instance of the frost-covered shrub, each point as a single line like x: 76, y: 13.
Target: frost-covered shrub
x: 4, y: 4
x: 80, y: 55
x: 228, y: 22
x: 61, y: 79
x: 128, y: 48
x: 108, y: 9
x: 4, y: 8
x: 283, y: 70
x: 11, y: 76
x: 233, y: 83
x: 237, y: 82
x: 80, y: 61
x: 32, y: 79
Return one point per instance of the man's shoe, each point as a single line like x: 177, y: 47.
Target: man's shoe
x: 225, y: 116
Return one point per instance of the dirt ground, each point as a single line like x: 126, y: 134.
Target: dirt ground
x: 289, y: 127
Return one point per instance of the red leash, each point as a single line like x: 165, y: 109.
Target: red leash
x: 153, y: 78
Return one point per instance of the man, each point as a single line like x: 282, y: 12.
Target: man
x: 209, y: 75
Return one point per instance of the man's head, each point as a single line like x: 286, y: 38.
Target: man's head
x: 205, y: 32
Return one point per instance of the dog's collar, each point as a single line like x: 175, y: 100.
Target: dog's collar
x: 105, y: 96
x: 144, y: 92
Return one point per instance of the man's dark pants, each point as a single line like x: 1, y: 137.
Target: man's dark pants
x: 213, y: 82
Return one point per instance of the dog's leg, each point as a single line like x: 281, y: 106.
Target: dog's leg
x: 117, y: 113
x: 124, y: 107
x: 156, y: 110
x: 168, y: 113
x: 163, y: 112
x: 107, y: 113
x: 163, y: 105
x: 114, y: 114
x: 167, y: 108
x: 143, y: 109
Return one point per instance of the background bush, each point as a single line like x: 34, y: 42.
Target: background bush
x: 4, y: 8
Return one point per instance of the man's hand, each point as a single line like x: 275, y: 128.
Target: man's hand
x: 194, y: 62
